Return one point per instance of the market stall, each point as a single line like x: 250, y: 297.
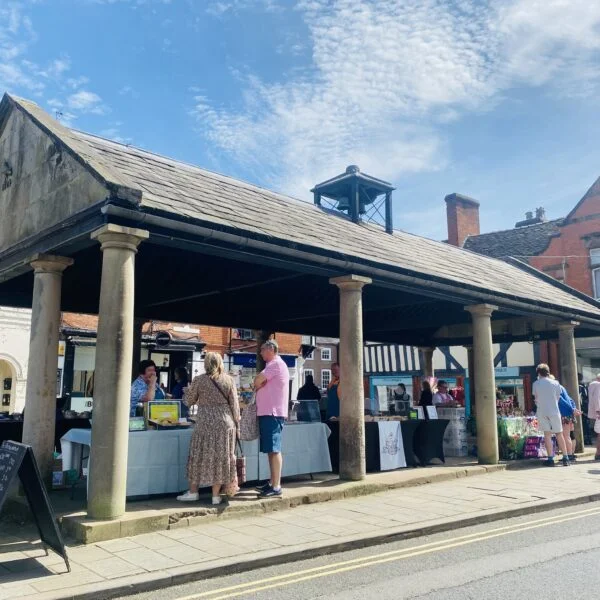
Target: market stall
x: 12, y: 429
x: 156, y: 462
x: 520, y: 437
x: 416, y: 442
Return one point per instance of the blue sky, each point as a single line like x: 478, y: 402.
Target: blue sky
x: 496, y: 100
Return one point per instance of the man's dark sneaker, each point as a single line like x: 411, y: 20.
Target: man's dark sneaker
x: 565, y: 461
x: 264, y: 487
x: 597, y: 457
x: 271, y: 493
x: 549, y: 462
x: 572, y: 458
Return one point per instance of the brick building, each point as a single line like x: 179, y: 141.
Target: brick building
x: 318, y: 364
x: 567, y: 249
x: 185, y: 346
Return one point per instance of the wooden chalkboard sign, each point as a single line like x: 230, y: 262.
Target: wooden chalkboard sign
x: 18, y: 460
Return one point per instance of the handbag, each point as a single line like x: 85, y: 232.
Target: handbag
x: 597, y: 425
x: 240, y: 465
x: 249, y: 423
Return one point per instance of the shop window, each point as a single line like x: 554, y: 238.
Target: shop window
x: 326, y: 354
x: 325, y: 378
x: 308, y: 372
x: 596, y: 277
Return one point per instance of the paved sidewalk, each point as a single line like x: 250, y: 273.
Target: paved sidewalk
x: 158, y: 559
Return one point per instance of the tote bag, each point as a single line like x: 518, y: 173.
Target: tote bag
x: 240, y: 465
x: 249, y: 422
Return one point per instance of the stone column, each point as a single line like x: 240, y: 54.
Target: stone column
x: 484, y: 384
x: 40, y: 399
x: 352, y: 400
x: 114, y: 352
x: 568, y: 372
x: 427, y: 356
x: 471, y: 369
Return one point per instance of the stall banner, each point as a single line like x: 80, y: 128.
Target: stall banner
x: 391, y: 446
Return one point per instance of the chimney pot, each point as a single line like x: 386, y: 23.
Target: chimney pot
x: 529, y: 215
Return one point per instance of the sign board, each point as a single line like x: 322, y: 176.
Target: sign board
x: 163, y: 338
x: 17, y: 460
x: 506, y: 371
x: 245, y: 359
x: 158, y: 411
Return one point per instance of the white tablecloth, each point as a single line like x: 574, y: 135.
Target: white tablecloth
x: 157, y: 459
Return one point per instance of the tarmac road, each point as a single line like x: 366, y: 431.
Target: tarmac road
x: 539, y: 556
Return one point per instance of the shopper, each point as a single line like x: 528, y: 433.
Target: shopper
x: 272, y: 392
x: 546, y: 392
x: 585, y: 422
x: 212, y: 459
x: 569, y: 413
x: 426, y: 398
x: 181, y: 382
x: 333, y: 394
x: 145, y: 388
x: 309, y: 391
x: 594, y: 408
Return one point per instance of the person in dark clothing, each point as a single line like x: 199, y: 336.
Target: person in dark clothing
x: 585, y: 422
x: 181, y: 382
x: 426, y: 398
x: 309, y: 391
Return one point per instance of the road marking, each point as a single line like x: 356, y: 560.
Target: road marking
x: 385, y: 557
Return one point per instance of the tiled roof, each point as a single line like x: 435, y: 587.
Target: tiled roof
x: 521, y: 242
x: 157, y: 183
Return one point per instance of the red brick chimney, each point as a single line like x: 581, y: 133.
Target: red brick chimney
x: 463, y: 218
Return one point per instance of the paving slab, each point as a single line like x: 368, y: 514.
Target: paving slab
x: 217, y: 547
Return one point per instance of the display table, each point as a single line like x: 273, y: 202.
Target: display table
x: 429, y: 440
x: 157, y: 460
x: 372, y: 444
x: 13, y: 430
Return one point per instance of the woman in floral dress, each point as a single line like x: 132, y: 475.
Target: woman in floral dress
x: 212, y: 449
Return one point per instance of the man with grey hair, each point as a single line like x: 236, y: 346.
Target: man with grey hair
x: 272, y: 391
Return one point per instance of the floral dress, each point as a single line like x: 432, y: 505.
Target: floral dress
x: 212, y: 448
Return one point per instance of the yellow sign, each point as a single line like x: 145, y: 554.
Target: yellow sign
x: 161, y: 411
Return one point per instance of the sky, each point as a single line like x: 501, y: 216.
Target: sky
x: 496, y: 100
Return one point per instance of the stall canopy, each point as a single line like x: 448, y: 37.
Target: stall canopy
x: 224, y: 252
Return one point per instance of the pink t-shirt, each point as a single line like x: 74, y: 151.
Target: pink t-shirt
x: 272, y: 398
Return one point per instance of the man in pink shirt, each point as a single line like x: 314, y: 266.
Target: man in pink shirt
x: 272, y: 396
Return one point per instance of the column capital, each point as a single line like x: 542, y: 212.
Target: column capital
x: 481, y: 310
x: 117, y: 236
x: 567, y: 325
x: 427, y: 348
x: 48, y: 263
x: 350, y: 282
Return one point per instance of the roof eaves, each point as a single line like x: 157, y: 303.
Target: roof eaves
x: 61, y: 135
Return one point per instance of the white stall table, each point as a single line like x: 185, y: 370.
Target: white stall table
x: 157, y: 460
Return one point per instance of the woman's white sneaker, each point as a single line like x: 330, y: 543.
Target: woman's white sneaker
x: 217, y: 500
x: 188, y: 497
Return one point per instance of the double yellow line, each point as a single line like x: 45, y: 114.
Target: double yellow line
x: 270, y: 583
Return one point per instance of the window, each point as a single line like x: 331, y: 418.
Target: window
x: 243, y: 334
x: 308, y: 372
x: 311, y: 355
x: 325, y: 353
x: 596, y: 277
x: 325, y: 378
x: 595, y: 257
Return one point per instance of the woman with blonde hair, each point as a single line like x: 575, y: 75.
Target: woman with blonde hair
x: 212, y: 449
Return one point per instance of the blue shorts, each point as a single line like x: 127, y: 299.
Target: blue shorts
x: 271, y: 429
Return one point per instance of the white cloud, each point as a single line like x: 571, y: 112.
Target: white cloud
x: 387, y: 74
x: 114, y: 133
x: 86, y: 102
